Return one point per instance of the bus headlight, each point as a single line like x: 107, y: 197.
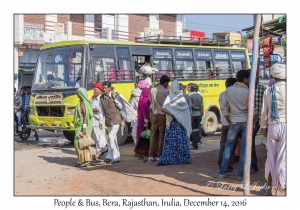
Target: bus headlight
x: 31, y: 111
x: 71, y: 111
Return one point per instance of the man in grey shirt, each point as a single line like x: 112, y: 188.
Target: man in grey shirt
x: 235, y: 110
x: 197, y: 112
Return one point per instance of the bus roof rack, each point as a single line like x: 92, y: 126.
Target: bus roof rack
x: 183, y: 40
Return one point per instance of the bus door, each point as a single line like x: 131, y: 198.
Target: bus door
x: 139, y: 61
x: 141, y: 55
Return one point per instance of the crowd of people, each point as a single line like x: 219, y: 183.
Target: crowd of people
x: 269, y: 114
x: 166, y: 120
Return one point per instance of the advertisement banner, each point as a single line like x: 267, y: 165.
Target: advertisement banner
x: 59, y: 29
x: 34, y: 33
x: 196, y: 34
x: 250, y: 45
x: 149, y: 32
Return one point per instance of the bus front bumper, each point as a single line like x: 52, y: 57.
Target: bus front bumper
x: 52, y: 123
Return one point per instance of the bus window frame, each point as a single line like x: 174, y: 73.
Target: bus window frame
x: 199, y: 71
x: 129, y: 58
x: 243, y: 61
x: 222, y: 75
x: 181, y: 73
x: 172, y: 59
x: 94, y: 66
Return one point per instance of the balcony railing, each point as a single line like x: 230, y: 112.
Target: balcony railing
x: 183, y: 40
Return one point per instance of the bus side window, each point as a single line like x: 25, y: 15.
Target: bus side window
x: 125, y: 73
x: 222, y: 69
x: 104, y: 69
x: 203, y: 69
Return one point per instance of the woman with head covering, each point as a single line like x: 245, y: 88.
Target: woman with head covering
x: 83, y: 125
x: 176, y: 149
x: 142, y: 143
x: 273, y: 123
x: 134, y: 100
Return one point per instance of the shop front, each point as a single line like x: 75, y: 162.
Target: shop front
x: 26, y: 66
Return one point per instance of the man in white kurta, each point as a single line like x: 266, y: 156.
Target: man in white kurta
x: 273, y: 123
x: 98, y: 133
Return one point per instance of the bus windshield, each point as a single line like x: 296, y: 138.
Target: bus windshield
x: 59, y: 68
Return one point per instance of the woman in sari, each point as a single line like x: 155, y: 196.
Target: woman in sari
x: 176, y: 149
x: 142, y: 143
x: 83, y: 125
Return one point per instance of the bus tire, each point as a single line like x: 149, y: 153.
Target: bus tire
x: 70, y: 135
x: 210, y: 124
x: 122, y: 133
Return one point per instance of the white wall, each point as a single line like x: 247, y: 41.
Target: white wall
x: 269, y: 17
x: 89, y: 21
x: 16, y: 65
x: 154, y: 21
x: 19, y: 29
x: 179, y: 25
x: 49, y: 35
x: 108, y: 21
x: 122, y: 25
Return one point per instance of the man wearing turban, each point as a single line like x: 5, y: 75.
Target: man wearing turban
x: 98, y: 133
x: 273, y: 123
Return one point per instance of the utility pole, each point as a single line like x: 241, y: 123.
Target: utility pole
x: 251, y: 105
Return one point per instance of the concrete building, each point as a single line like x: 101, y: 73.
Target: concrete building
x: 34, y: 30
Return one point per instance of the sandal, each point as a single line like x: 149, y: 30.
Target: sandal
x: 115, y: 161
x: 78, y: 165
x: 96, y: 157
x: 263, y: 191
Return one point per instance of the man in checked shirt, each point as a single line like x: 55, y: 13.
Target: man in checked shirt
x: 258, y: 99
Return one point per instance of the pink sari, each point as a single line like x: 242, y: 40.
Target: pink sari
x: 143, y: 111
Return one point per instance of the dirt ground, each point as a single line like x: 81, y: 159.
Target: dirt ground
x: 46, y: 170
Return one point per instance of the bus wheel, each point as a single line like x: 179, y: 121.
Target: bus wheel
x: 70, y: 135
x: 122, y: 133
x: 210, y: 124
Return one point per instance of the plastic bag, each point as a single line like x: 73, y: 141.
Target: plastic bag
x: 263, y: 140
x: 147, y: 70
x: 146, y: 134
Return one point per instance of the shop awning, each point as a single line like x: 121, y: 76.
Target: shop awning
x: 272, y: 27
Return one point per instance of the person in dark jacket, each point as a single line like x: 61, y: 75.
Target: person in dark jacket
x: 197, y: 112
x: 17, y: 108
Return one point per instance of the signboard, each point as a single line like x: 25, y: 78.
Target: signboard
x: 221, y: 55
x: 273, y: 58
x: 250, y: 45
x: 196, y: 34
x: 34, y: 33
x: 59, y: 30
x: 184, y: 54
x: 153, y: 32
x: 203, y: 55
x: 29, y: 56
x: 238, y: 56
x: 162, y: 53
